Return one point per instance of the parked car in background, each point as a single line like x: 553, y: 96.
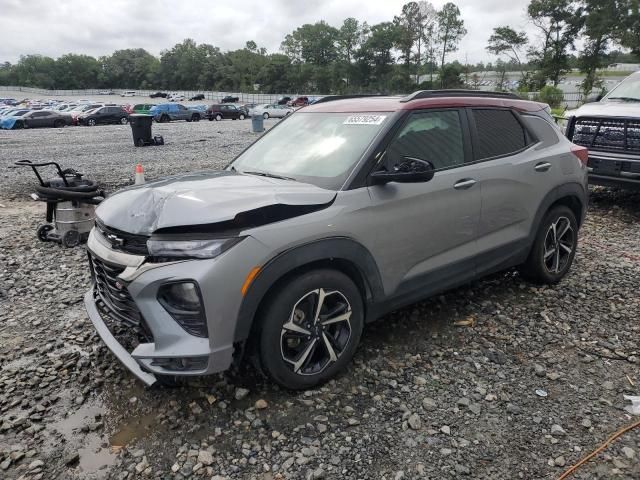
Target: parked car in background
x: 103, y: 116
x: 271, y: 111
x: 128, y: 93
x: 229, y: 99
x: 80, y: 109
x: 195, y: 98
x: 300, y: 102
x: 283, y: 100
x: 167, y: 112
x: 39, y: 119
x: 224, y: 110
x: 106, y: 92
x: 421, y: 194
x: 176, y: 97
x: 9, y: 118
x: 143, y: 108
x: 158, y: 95
x: 610, y: 129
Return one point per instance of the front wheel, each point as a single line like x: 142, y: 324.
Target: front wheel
x: 91, y: 122
x: 195, y: 118
x: 58, y: 124
x: 554, y: 247
x: 265, y: 115
x: 124, y: 121
x: 311, y: 329
x: 241, y: 117
x: 218, y: 117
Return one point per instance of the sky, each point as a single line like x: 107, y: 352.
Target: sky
x: 98, y: 27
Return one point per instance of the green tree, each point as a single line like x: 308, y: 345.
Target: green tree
x: 506, y: 41
x: 450, y: 32
x: 375, y: 57
x: 129, y: 68
x: 72, y: 72
x: 35, y: 71
x: 559, y: 22
x: 628, y: 31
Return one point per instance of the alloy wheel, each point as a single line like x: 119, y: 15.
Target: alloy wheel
x: 317, y: 332
x: 558, y: 245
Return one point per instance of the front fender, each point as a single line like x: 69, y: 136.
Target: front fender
x: 338, y: 248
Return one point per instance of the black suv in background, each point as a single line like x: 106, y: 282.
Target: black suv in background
x: 229, y: 99
x: 220, y: 111
x: 104, y: 115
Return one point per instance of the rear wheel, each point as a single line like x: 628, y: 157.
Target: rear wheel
x: 124, y: 120
x: 554, y: 247
x: 195, y: 118
x: 241, y: 117
x: 265, y: 115
x: 71, y: 239
x: 42, y: 232
x: 91, y: 122
x: 164, y: 119
x: 311, y: 329
x: 218, y: 117
x: 58, y: 124
x: 18, y: 125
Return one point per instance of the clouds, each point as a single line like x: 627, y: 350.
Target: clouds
x: 98, y: 27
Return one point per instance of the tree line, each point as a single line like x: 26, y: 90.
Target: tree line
x: 411, y: 50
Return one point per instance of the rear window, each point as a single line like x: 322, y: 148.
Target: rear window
x: 499, y: 133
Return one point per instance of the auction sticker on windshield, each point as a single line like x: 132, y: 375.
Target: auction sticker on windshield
x: 364, y: 120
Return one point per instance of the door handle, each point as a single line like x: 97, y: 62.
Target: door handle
x: 542, y: 167
x: 464, y: 184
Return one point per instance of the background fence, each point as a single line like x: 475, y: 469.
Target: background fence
x: 570, y: 99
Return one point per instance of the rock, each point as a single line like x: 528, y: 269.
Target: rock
x: 72, y: 458
x: 261, y: 404
x: 429, y: 404
x: 445, y: 429
x: 241, y: 393
x: 414, y: 422
x: 608, y: 385
x: 557, y: 430
x: 419, y: 380
x: 463, y: 402
x: 205, y: 457
x: 586, y: 423
x: 36, y: 464
x: 559, y: 461
x: 629, y: 452
x: 5, y: 464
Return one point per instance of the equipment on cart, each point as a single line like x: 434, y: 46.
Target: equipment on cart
x: 71, y: 202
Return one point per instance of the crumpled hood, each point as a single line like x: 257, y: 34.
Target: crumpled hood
x: 606, y: 109
x: 200, y: 199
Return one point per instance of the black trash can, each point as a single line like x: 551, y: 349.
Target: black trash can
x: 141, y: 129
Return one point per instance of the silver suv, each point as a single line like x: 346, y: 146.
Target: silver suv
x: 350, y: 208
x: 610, y: 129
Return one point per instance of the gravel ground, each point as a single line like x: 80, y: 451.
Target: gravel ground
x: 442, y: 389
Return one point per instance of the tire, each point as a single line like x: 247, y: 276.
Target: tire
x: 18, y: 125
x: 241, y: 117
x: 91, y: 122
x: 71, y: 239
x: 58, y: 124
x: 195, y: 118
x: 164, y: 119
x: 124, y: 121
x: 265, y: 115
x: 218, y: 117
x: 298, y: 361
x: 554, y: 247
x: 42, y: 232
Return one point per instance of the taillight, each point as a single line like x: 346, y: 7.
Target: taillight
x: 581, y: 152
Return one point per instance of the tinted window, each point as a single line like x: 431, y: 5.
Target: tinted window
x: 433, y: 136
x: 499, y: 133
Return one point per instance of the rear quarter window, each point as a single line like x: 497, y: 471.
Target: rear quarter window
x: 498, y: 132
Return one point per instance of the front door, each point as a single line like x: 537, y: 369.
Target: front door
x: 426, y: 232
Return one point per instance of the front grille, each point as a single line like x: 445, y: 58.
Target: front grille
x: 123, y: 241
x: 608, y: 134
x: 112, y: 297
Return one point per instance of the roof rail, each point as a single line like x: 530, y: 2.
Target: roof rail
x: 331, y: 98
x: 458, y: 93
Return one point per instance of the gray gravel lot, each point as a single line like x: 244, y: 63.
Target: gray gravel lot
x: 442, y: 389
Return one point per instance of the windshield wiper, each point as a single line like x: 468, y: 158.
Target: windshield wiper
x: 625, y: 99
x: 270, y: 175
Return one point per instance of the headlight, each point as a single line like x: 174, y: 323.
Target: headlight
x: 190, y: 248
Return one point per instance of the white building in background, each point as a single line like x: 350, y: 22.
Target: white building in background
x: 623, y: 67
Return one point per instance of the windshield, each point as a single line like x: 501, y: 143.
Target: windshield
x: 316, y: 148
x: 628, y: 89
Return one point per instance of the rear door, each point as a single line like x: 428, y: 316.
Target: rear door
x: 514, y: 176
x: 426, y: 237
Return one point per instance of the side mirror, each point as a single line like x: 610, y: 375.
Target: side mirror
x: 411, y: 170
x: 594, y: 97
